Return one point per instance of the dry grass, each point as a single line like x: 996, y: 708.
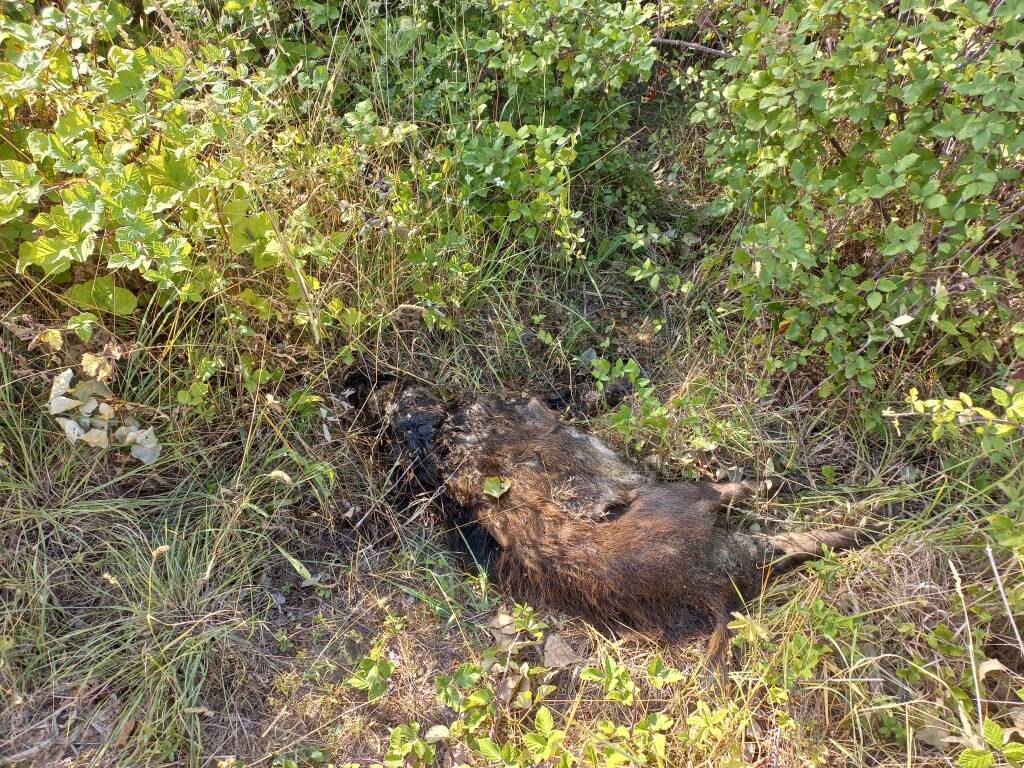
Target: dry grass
x: 115, y: 651
x: 214, y: 648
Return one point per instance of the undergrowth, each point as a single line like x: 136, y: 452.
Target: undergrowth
x: 799, y: 256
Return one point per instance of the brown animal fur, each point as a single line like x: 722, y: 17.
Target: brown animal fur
x: 580, y: 530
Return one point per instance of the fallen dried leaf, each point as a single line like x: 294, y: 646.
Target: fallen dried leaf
x: 72, y: 431
x: 558, y: 654
x: 508, y: 687
x: 280, y: 476
x: 989, y: 666
x: 503, y: 629
x: 96, y: 366
x: 933, y: 735
x: 92, y: 388
x: 61, y: 383
x: 51, y: 338
x: 436, y: 733
x: 23, y: 327
x: 125, y: 732
x: 144, y: 445
x: 97, y: 438
x: 60, y: 404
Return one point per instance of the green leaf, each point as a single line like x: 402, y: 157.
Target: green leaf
x: 1001, y: 397
x: 874, y: 299
x: 245, y: 232
x: 1014, y: 753
x: 661, y: 674
x: 300, y: 569
x: 993, y: 734
x: 101, y: 294
x: 372, y: 675
x: 544, y: 722
x: 487, y: 749
x: 496, y: 486
x: 82, y: 325
x: 976, y: 758
x: 52, y: 255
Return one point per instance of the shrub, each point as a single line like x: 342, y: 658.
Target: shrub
x: 872, y: 154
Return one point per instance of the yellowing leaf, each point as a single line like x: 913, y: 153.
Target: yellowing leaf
x: 96, y: 366
x: 51, y: 337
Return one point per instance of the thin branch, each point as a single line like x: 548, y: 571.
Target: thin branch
x: 664, y: 41
x: 1006, y: 603
x: 878, y: 203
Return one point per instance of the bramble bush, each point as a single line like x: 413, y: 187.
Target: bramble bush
x: 872, y: 154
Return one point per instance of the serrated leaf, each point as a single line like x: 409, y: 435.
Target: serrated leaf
x: 993, y: 733
x: 52, y: 255
x: 1014, y: 752
x: 544, y: 722
x: 82, y: 324
x: 246, y: 232
x: 1001, y: 397
x: 976, y: 758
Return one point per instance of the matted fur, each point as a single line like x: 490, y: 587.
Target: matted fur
x: 579, y: 529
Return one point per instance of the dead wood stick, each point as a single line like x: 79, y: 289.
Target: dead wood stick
x: 665, y: 41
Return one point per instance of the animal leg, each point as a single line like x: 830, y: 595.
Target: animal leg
x: 794, y: 548
x: 728, y: 494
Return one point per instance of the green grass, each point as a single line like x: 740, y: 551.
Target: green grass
x: 212, y: 608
